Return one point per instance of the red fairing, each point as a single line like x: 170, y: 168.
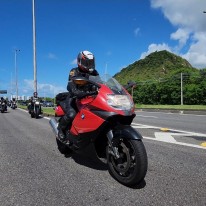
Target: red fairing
x: 59, y: 111
x: 100, y: 101
x: 86, y: 121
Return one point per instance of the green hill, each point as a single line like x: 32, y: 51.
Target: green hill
x: 155, y: 66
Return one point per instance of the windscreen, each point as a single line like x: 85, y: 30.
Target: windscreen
x: 112, y: 83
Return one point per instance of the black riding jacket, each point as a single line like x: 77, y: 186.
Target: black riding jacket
x: 74, y: 89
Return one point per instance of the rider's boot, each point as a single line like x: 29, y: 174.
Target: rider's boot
x: 62, y: 129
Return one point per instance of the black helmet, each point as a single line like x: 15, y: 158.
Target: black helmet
x: 35, y: 94
x: 86, y: 61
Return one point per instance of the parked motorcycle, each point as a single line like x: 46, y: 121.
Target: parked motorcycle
x: 35, y: 109
x: 104, y: 119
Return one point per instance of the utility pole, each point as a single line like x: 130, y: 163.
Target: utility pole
x: 16, y: 73
x: 11, y: 91
x: 34, y: 46
x: 181, y: 89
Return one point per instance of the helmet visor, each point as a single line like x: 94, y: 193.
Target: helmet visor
x: 87, y: 63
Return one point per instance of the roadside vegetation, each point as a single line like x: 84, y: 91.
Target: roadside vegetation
x: 162, y: 77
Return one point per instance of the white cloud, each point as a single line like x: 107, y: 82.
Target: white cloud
x: 74, y: 62
x: 43, y: 89
x: 155, y: 47
x: 197, y: 51
x: 136, y: 31
x: 51, y: 56
x: 188, y: 17
x: 181, y: 35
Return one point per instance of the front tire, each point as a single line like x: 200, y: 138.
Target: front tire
x: 63, y: 148
x: 37, y: 113
x: 32, y: 114
x: 131, y: 168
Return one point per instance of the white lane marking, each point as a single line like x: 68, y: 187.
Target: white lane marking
x: 165, y: 137
x: 47, y: 118
x: 147, y: 116
x: 135, y: 125
x: 140, y: 126
x: 177, y: 143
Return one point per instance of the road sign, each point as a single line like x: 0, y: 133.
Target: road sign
x: 3, y: 91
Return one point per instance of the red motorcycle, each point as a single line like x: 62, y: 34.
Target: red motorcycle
x: 105, y: 120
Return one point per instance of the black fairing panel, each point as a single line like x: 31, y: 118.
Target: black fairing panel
x: 126, y: 131
x: 113, y: 118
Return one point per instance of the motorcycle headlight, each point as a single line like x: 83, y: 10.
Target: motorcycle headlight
x: 120, y: 102
x: 37, y: 103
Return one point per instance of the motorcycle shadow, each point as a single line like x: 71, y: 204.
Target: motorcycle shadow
x: 92, y: 161
x: 87, y: 157
x: 5, y: 112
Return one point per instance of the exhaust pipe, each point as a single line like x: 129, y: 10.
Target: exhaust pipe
x: 54, y: 124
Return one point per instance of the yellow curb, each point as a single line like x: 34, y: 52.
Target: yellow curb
x: 203, y: 144
x: 164, y: 129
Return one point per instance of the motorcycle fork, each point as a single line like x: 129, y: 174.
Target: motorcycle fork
x: 112, y: 143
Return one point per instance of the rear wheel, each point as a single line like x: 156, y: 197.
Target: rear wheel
x: 131, y: 167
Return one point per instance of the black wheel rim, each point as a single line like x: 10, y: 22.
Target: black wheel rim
x: 124, y: 166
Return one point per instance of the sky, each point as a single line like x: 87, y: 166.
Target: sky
x: 117, y: 32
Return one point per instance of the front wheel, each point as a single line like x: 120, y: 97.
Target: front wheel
x: 131, y: 166
x: 32, y: 114
x: 63, y: 148
x: 37, y: 113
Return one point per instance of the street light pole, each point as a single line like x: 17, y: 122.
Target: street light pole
x: 15, y: 56
x: 181, y: 89
x: 34, y: 46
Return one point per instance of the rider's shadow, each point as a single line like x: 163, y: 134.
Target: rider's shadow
x: 88, y: 158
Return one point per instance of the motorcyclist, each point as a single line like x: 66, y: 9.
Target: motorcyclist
x: 13, y: 101
x: 86, y: 67
x: 4, y: 101
x: 32, y: 101
x: 30, y: 105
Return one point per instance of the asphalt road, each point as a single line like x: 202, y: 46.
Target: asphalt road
x: 178, y: 121
x: 180, y: 129
x: 33, y: 172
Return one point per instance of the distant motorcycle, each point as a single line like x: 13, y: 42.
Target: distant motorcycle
x: 35, y: 109
x: 3, y: 107
x: 13, y: 105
